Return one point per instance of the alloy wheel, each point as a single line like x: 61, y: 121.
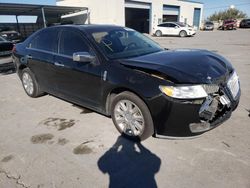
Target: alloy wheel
x: 28, y: 83
x: 129, y: 118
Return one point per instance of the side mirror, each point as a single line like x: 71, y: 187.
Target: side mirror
x: 84, y: 57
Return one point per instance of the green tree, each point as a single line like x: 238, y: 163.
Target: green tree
x: 231, y: 13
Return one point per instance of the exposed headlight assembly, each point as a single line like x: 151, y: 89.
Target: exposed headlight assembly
x: 184, y: 92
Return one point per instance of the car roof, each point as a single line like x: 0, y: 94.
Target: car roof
x: 168, y: 22
x: 89, y: 27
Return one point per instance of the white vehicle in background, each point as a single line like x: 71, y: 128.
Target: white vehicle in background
x: 174, y: 29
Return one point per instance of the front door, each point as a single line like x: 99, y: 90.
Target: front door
x: 174, y: 29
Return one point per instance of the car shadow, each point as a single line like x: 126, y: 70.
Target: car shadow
x: 130, y: 164
x: 6, y: 69
x: 83, y: 110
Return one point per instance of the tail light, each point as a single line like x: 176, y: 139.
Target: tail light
x: 14, y: 48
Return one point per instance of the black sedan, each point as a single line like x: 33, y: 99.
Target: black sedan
x: 245, y: 23
x: 5, y: 54
x: 119, y: 72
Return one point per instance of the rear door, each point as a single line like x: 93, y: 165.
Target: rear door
x: 80, y: 82
x: 165, y: 28
x: 40, y: 57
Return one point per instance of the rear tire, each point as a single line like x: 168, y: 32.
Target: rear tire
x: 183, y: 34
x: 131, y: 116
x: 158, y: 33
x: 30, y: 84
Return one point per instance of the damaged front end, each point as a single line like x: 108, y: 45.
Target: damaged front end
x: 183, y: 116
x: 218, y: 105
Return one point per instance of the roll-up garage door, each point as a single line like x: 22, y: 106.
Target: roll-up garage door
x: 171, y: 13
x: 134, y: 4
x: 137, y: 15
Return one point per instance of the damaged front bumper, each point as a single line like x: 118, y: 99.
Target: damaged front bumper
x: 184, y: 118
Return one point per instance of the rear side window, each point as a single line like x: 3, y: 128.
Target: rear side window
x: 71, y: 42
x: 45, y: 40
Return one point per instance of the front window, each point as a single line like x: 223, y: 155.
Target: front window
x: 124, y: 43
x: 72, y: 42
x: 182, y: 24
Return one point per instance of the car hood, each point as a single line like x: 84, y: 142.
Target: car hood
x: 183, y: 66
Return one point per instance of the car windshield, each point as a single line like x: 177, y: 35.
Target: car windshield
x: 209, y: 23
x: 124, y: 43
x: 2, y: 39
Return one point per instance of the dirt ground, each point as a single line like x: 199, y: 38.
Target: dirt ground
x: 47, y: 142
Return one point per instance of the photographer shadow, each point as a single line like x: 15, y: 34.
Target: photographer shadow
x: 130, y: 164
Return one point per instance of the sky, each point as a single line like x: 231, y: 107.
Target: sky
x: 210, y: 6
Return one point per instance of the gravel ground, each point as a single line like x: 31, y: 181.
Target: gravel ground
x: 46, y: 142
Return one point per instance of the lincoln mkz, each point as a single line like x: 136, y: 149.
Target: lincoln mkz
x: 118, y: 72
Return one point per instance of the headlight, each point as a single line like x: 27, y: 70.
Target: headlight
x: 184, y: 92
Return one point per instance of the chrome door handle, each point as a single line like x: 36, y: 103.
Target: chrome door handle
x: 58, y: 64
x: 28, y: 56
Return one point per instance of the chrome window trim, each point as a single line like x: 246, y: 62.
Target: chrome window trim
x: 49, y: 52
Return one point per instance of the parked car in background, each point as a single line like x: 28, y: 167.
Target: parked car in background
x: 12, y: 36
x: 229, y: 24
x: 174, y: 29
x: 245, y: 23
x: 209, y: 26
x: 5, y: 54
x: 121, y: 73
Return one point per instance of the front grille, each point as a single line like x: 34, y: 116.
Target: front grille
x: 211, y: 88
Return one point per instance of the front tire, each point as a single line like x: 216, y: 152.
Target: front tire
x: 131, y: 116
x: 183, y: 34
x: 30, y: 84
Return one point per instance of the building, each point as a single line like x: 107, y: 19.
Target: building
x: 29, y: 18
x: 141, y: 15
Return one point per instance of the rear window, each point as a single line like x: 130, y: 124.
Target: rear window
x: 163, y: 25
x: 45, y: 40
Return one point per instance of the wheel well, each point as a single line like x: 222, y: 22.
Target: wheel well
x: 183, y: 31
x: 111, y: 96
x: 158, y: 30
x: 115, y: 92
x: 20, y: 68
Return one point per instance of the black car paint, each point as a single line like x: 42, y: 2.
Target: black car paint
x: 245, y: 23
x: 5, y: 48
x: 92, y: 84
x: 185, y: 66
